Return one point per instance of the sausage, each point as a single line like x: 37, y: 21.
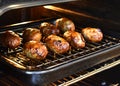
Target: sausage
x: 30, y: 34
x: 65, y: 24
x: 92, y: 34
x: 48, y: 29
x: 75, y: 39
x: 35, y: 50
x: 10, y: 39
x: 57, y: 44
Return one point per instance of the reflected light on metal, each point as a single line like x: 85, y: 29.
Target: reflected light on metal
x: 14, y: 6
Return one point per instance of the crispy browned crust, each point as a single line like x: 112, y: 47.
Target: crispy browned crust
x: 75, y: 39
x: 31, y: 34
x: 10, y: 39
x: 48, y: 29
x: 92, y: 34
x: 65, y: 24
x: 57, y: 44
x: 35, y: 50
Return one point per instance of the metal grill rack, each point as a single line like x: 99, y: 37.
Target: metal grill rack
x: 53, y: 60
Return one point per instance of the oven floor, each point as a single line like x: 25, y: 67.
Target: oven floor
x: 109, y: 77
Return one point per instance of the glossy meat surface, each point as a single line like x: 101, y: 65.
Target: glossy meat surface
x: 48, y: 29
x: 57, y: 44
x: 65, y: 24
x: 92, y: 34
x: 30, y: 34
x: 35, y: 50
x: 10, y: 39
x: 75, y: 39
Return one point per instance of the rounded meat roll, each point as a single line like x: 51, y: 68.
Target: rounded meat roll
x: 75, y: 39
x: 57, y: 44
x: 92, y: 34
x: 35, y: 50
x: 48, y: 29
x: 65, y: 24
x: 30, y: 34
x: 10, y: 39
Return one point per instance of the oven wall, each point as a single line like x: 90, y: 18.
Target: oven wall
x: 108, y: 9
x: 105, y: 9
x: 103, y: 13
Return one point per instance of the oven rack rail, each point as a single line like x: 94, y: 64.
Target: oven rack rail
x: 72, y: 79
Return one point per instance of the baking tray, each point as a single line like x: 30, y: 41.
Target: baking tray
x: 55, y: 67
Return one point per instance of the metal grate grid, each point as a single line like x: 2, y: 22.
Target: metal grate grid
x: 53, y: 60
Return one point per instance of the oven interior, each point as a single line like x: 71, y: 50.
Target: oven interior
x: 94, y: 58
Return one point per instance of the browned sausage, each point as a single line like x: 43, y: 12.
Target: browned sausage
x: 35, y: 50
x: 92, y: 34
x: 75, y: 39
x: 31, y: 34
x: 65, y: 24
x: 48, y: 29
x: 57, y: 44
x: 10, y: 39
